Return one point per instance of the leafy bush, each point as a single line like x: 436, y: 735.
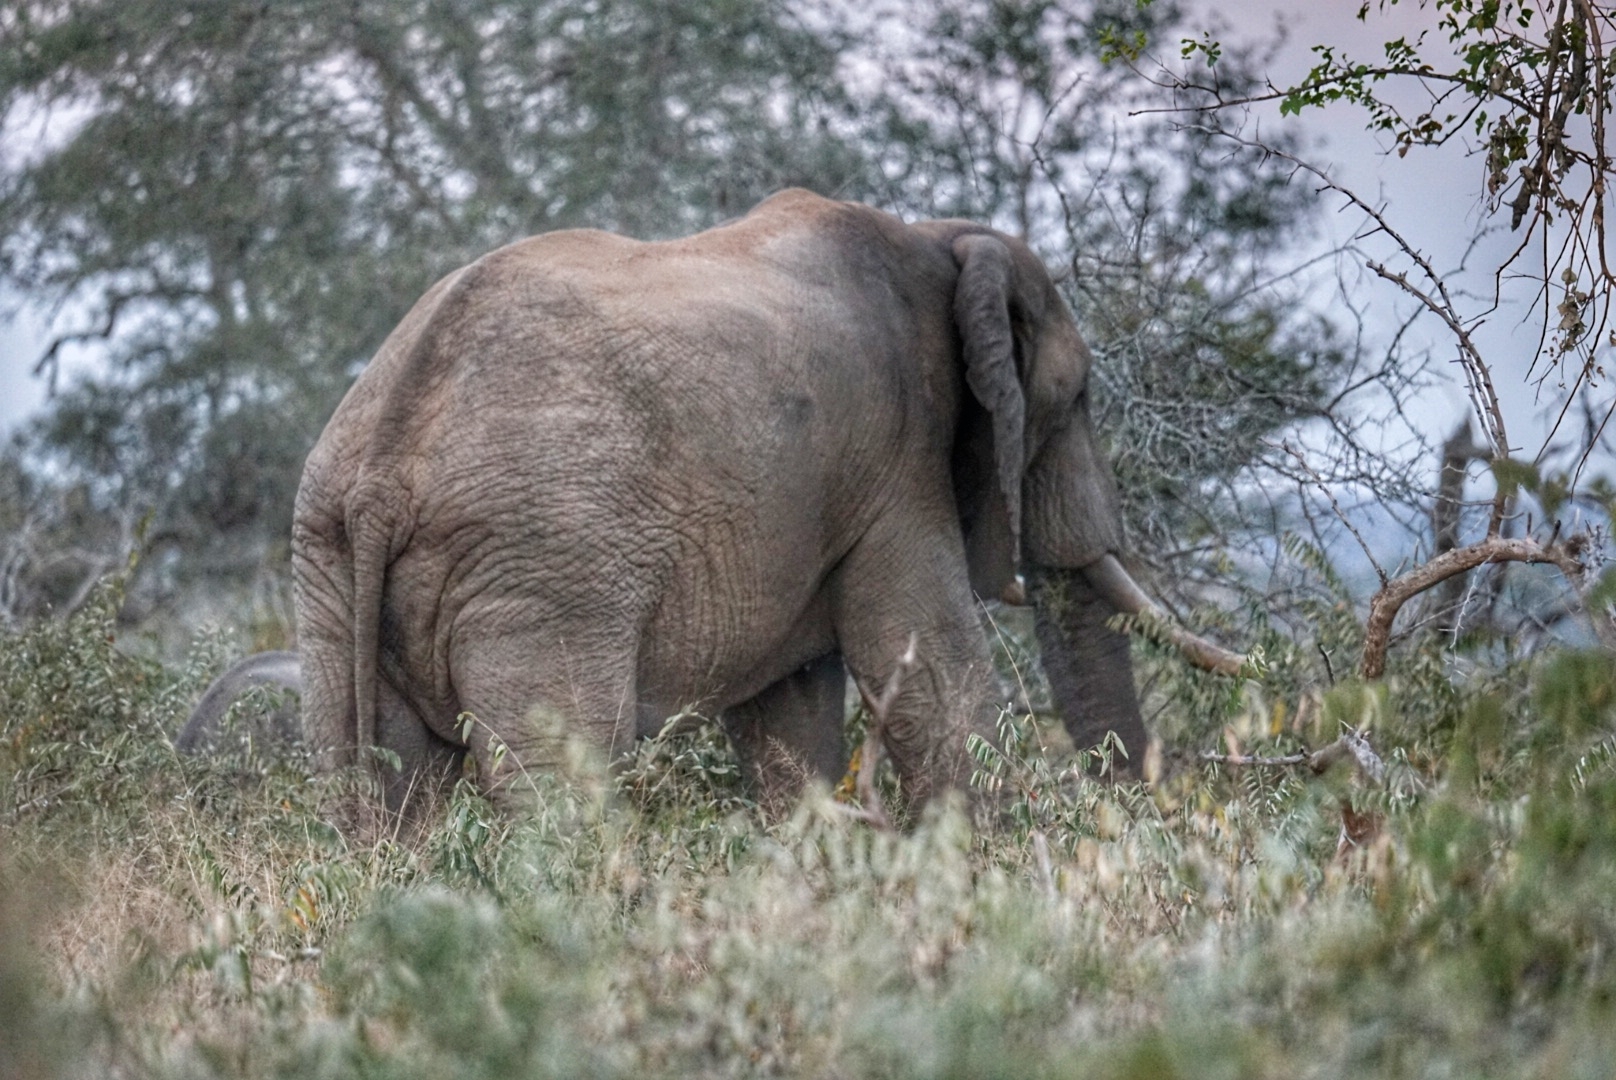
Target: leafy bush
x: 192, y: 919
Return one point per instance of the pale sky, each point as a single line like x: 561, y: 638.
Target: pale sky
x: 1433, y: 197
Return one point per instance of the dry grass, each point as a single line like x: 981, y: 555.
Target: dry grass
x: 206, y: 919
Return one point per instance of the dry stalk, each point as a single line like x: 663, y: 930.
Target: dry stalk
x: 869, y: 808
x: 1046, y: 871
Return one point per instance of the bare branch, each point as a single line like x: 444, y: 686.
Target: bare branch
x: 1439, y: 302
x: 870, y: 808
x: 1335, y: 505
x: 1389, y: 600
x: 1352, y: 746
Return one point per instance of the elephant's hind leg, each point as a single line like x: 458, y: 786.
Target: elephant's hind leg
x: 529, y: 695
x: 792, y: 732
x: 428, y: 765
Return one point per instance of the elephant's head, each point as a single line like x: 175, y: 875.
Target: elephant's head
x: 1036, y: 493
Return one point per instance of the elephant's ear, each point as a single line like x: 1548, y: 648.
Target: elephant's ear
x: 982, y: 300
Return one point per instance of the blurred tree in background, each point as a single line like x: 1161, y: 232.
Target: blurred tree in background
x: 232, y: 203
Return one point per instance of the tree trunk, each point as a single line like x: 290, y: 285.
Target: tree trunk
x: 1446, y: 601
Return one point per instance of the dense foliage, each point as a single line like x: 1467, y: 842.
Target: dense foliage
x: 165, y: 917
x: 246, y: 198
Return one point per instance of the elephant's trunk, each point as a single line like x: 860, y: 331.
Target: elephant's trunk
x: 1087, y: 663
x: 1111, y: 581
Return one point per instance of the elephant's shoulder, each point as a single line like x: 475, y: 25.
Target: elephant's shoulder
x: 796, y: 202
x: 799, y: 233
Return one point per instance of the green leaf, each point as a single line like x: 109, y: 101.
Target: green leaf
x: 1513, y: 476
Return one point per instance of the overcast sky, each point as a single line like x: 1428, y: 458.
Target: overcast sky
x: 1433, y: 197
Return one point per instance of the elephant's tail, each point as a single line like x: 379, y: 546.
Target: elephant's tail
x: 370, y: 539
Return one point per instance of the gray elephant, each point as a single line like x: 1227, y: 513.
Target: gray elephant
x: 279, y: 670
x: 589, y: 481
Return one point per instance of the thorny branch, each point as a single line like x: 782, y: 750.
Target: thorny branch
x: 1539, y: 94
x: 870, y: 808
x: 1335, y: 505
x: 1484, y: 397
x: 1565, y: 554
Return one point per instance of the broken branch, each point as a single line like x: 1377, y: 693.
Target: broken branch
x: 1352, y: 746
x: 1390, y: 598
x: 869, y: 799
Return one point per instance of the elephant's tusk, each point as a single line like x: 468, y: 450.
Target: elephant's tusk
x: 1113, y: 582
x: 1015, y: 593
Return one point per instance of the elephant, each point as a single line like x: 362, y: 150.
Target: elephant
x: 278, y: 670
x: 1086, y: 663
x: 589, y: 481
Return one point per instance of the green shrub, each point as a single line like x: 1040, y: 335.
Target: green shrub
x: 209, y: 918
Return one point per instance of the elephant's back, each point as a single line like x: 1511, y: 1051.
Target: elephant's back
x: 673, y: 373
x: 542, y: 318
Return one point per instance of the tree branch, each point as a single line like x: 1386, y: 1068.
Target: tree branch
x: 1390, y: 598
x: 1352, y: 746
x: 870, y: 808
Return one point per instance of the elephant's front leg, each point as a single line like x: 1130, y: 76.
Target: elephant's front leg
x: 791, y: 733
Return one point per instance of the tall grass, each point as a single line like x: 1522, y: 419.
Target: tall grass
x: 173, y: 918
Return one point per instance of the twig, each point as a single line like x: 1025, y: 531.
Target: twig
x: 869, y: 807
x: 876, y: 819
x: 1358, y: 828
x: 1351, y: 746
x: 36, y: 802
x: 1336, y: 506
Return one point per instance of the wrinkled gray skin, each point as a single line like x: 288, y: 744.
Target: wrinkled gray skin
x: 276, y: 670
x: 1088, y: 667
x: 795, y: 728
x: 590, y: 481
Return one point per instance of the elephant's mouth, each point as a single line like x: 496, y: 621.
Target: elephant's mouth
x: 1108, y: 578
